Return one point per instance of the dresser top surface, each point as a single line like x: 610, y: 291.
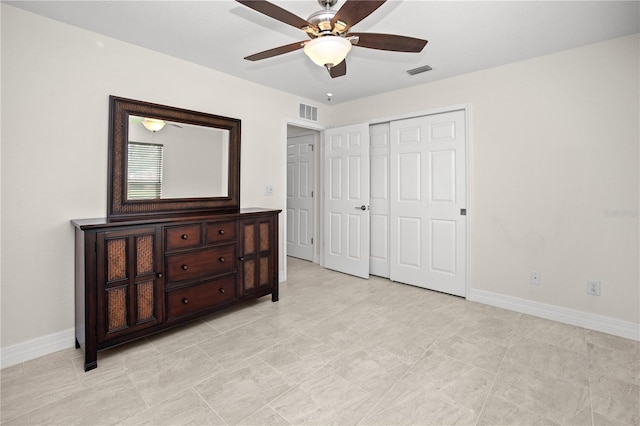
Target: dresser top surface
x: 95, y: 223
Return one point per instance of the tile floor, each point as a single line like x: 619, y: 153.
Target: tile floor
x: 341, y: 350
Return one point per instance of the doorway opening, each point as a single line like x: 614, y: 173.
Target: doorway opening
x: 302, y: 191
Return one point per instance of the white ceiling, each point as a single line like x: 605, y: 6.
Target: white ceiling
x: 464, y: 36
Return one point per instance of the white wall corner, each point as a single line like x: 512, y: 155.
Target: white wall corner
x: 34, y: 348
x: 587, y: 320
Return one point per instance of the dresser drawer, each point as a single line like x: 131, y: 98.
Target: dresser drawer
x: 200, y: 296
x: 200, y: 263
x: 220, y: 231
x: 186, y: 236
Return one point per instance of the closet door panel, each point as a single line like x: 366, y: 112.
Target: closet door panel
x: 346, y: 201
x: 428, y: 183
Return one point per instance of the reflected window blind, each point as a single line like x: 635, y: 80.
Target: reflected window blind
x: 144, y: 171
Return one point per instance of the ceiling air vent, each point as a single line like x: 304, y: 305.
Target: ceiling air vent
x: 308, y: 112
x: 418, y: 70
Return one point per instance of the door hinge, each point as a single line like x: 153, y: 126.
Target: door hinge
x: 311, y: 145
x: 463, y: 212
x: 311, y: 194
x: 311, y: 240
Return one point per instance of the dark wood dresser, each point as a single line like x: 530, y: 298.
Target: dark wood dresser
x: 138, y: 277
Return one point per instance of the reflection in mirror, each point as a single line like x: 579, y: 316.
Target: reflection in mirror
x: 168, y: 160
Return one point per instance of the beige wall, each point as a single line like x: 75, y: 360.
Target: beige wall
x: 56, y: 80
x: 553, y: 173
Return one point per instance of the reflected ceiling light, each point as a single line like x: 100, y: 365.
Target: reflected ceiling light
x: 327, y: 51
x: 153, y: 124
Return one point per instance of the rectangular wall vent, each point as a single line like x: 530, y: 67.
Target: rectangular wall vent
x: 308, y: 112
x: 419, y: 70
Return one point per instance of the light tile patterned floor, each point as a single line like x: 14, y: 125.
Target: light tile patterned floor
x: 341, y: 350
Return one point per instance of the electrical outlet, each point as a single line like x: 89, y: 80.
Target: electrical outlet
x: 593, y: 287
x: 268, y: 190
x: 535, y: 278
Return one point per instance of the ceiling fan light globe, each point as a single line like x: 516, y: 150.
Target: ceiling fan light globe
x: 153, y: 124
x: 327, y: 51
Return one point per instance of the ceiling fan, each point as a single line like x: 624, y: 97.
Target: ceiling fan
x: 328, y: 29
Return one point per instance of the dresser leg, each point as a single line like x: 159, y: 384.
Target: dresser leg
x: 90, y: 360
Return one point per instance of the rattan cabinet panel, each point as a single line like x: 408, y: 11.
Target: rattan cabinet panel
x: 129, y: 294
x: 259, y: 267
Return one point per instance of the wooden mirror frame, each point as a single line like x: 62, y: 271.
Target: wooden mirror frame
x: 119, y: 207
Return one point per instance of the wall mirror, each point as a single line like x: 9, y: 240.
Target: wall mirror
x: 165, y: 160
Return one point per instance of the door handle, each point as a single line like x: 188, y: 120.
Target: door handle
x: 362, y: 207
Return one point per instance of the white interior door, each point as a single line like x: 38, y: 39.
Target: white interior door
x: 346, y: 199
x: 428, y: 181
x: 379, y: 194
x: 300, y: 184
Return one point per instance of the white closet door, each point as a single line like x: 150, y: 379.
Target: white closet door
x: 379, y: 213
x: 300, y: 181
x: 346, y: 199
x: 428, y: 183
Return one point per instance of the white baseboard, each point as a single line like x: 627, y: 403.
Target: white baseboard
x: 626, y: 329
x: 37, y: 347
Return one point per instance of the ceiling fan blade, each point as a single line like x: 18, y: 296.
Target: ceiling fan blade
x: 391, y: 42
x: 338, y: 70
x: 354, y: 11
x: 276, y: 12
x: 275, y: 51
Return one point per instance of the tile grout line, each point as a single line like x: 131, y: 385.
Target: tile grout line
x: 395, y: 384
x: 209, y: 405
x: 277, y: 412
x: 589, y: 376
x: 495, y: 378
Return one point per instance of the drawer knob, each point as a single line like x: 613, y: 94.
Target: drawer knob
x: 221, y: 232
x: 185, y: 236
x: 159, y: 275
x: 222, y: 290
x: 221, y: 259
x: 185, y: 267
x: 185, y: 300
x: 241, y: 259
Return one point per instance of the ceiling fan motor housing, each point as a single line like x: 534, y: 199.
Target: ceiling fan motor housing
x: 322, y: 20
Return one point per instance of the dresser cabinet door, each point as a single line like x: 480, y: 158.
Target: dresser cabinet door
x: 257, y: 255
x: 129, y: 292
